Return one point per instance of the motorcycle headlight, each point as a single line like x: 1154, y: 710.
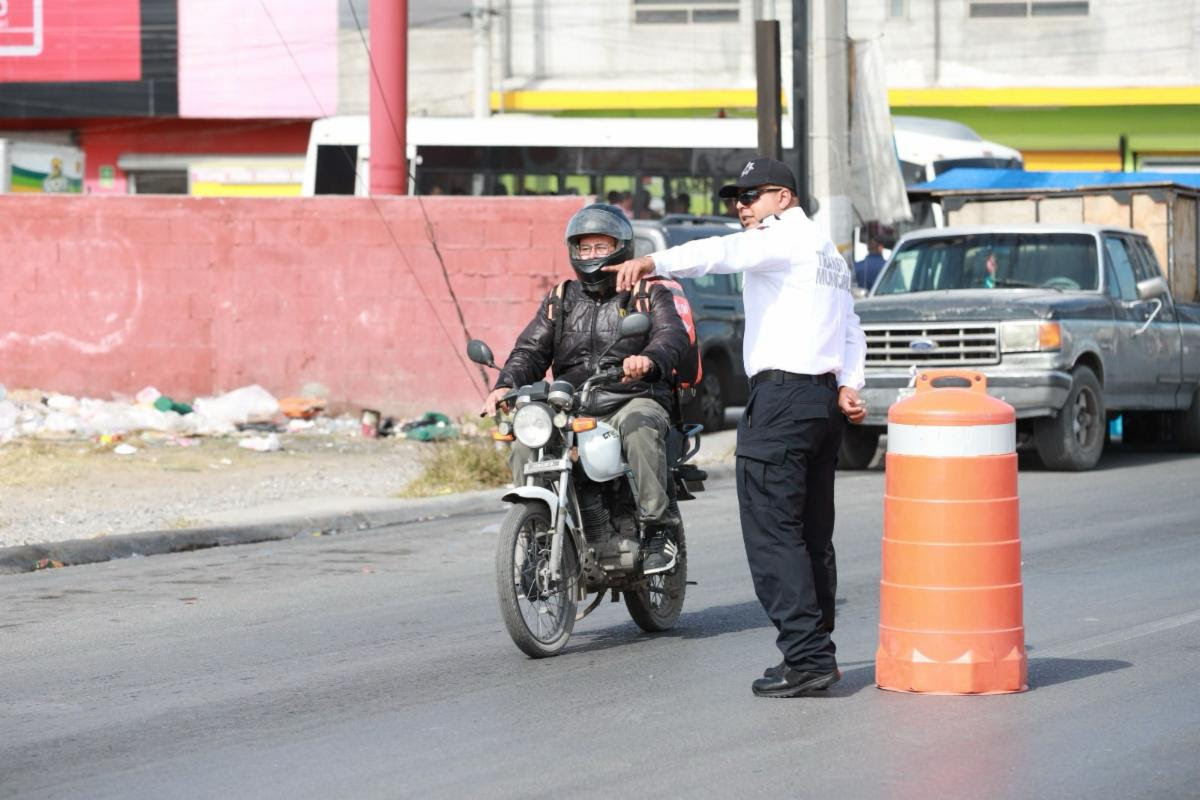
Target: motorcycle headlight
x: 532, y: 425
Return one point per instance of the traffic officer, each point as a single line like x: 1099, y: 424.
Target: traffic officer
x: 805, y: 351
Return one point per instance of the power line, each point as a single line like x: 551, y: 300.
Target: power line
x: 420, y: 203
x: 379, y: 212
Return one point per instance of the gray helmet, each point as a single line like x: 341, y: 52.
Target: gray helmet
x: 605, y: 220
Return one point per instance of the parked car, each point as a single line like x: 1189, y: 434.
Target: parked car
x: 717, y: 307
x: 1072, y: 324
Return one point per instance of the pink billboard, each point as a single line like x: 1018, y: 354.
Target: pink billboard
x: 69, y: 41
x: 269, y: 58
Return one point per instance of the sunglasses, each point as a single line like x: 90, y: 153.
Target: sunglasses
x: 750, y: 196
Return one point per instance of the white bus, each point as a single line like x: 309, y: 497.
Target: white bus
x: 518, y: 154
x: 659, y: 160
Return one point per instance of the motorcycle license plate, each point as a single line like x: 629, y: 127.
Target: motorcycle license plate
x: 553, y: 465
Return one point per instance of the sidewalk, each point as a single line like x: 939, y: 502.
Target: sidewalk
x: 310, y: 512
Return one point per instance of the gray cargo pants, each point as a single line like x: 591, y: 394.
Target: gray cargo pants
x: 643, y: 424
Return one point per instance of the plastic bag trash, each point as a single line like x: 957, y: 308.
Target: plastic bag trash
x: 8, y: 419
x: 62, y: 402
x: 263, y: 444
x: 147, y: 396
x: 164, y: 403
x: 124, y: 449
x: 223, y: 414
x: 432, y: 426
x: 59, y: 422
x: 98, y: 417
x: 301, y: 407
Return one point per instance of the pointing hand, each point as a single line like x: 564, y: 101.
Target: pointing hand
x: 630, y: 272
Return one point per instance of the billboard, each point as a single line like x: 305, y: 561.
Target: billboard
x: 88, y: 58
x: 43, y: 168
x: 21, y: 28
x: 70, y: 40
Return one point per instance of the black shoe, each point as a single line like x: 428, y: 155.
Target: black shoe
x: 771, y: 672
x: 660, y: 554
x: 792, y: 683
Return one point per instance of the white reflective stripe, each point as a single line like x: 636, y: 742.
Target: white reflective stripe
x: 952, y: 440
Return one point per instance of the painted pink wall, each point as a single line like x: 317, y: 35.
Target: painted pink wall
x: 201, y: 295
x: 267, y: 58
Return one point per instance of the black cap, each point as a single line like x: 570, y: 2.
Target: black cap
x: 761, y: 172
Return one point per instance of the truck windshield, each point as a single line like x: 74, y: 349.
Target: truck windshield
x: 1062, y: 261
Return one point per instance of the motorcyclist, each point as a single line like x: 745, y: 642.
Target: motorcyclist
x: 589, y: 313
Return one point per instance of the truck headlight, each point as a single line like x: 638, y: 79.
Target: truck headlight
x: 1030, y: 337
x: 532, y: 425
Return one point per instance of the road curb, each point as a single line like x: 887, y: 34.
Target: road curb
x: 73, y: 552
x: 28, y: 558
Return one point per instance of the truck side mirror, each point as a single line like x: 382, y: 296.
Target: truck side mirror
x: 1151, y: 288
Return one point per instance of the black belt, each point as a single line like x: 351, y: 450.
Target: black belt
x: 783, y: 376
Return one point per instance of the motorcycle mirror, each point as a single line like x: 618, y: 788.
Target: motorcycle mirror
x: 480, y: 353
x: 634, y: 325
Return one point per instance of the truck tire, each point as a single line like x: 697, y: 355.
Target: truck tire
x: 708, y: 406
x: 1074, y: 439
x: 858, y: 447
x: 1187, y: 425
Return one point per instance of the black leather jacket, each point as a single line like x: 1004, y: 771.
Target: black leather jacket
x: 590, y: 326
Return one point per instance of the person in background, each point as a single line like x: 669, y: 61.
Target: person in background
x: 867, y: 270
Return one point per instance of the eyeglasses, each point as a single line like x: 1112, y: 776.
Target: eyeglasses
x: 750, y: 196
x: 586, y: 250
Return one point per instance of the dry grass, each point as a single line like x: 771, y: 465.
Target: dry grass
x: 460, y: 466
x: 40, y: 462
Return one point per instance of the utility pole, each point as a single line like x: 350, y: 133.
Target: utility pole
x: 766, y: 57
x: 481, y: 44
x: 388, y: 53
x: 800, y: 101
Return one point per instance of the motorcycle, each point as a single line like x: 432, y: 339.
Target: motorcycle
x: 560, y: 541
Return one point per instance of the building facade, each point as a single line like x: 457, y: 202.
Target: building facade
x: 171, y: 96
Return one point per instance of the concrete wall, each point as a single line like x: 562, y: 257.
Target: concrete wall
x: 202, y: 295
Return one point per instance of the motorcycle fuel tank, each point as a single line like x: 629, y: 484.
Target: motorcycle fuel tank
x: 600, y: 453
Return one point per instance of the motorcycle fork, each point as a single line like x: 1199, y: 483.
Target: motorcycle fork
x: 560, y: 513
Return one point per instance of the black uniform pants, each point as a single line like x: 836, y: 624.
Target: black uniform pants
x: 787, y: 448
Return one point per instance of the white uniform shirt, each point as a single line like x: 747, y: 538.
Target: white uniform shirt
x: 799, y: 310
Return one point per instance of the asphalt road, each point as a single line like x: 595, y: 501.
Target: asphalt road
x: 375, y: 665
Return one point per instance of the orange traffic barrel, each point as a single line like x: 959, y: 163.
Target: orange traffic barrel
x: 950, y: 617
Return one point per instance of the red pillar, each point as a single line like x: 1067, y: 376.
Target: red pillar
x: 389, y: 96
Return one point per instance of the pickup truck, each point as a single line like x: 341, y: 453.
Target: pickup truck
x: 1072, y: 324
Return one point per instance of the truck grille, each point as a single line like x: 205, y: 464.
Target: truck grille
x: 938, y: 345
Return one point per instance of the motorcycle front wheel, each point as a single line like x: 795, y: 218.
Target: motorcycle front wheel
x: 656, y: 604
x: 538, y: 612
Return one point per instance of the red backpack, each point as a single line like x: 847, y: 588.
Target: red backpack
x: 689, y: 372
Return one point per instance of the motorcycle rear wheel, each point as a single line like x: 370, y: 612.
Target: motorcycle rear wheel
x: 538, y: 614
x: 656, y: 604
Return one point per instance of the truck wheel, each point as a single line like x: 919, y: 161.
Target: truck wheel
x: 1074, y: 439
x: 858, y: 447
x: 708, y: 407
x: 1187, y: 425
